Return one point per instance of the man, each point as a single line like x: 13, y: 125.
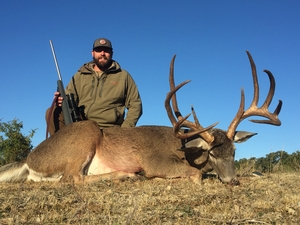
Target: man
x: 104, y: 90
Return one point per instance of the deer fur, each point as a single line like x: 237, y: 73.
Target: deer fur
x: 83, y: 152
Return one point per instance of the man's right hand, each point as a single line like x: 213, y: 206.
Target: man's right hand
x: 59, y: 98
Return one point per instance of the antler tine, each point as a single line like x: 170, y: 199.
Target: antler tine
x: 172, y: 94
x: 273, y: 117
x: 271, y: 90
x: 255, y: 81
x: 198, y: 124
x: 172, y: 87
x: 178, y: 134
x: 253, y: 110
x: 182, y: 121
x: 167, y: 103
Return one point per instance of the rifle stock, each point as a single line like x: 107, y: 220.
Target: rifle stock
x: 61, y: 90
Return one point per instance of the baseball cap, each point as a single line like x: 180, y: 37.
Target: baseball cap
x: 102, y: 42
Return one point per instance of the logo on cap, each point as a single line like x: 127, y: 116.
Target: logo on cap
x: 102, y: 42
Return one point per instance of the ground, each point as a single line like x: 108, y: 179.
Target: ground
x: 269, y: 199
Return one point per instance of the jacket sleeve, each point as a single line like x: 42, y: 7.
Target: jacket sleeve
x: 133, y: 103
x: 70, y: 87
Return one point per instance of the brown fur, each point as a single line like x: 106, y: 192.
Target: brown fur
x: 153, y: 151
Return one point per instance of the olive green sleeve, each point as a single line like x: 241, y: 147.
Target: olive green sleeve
x: 133, y: 103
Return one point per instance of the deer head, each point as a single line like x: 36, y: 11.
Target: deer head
x: 218, y: 144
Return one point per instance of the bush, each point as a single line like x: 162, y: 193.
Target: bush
x: 14, y: 146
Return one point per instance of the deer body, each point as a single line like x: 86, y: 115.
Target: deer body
x: 83, y: 152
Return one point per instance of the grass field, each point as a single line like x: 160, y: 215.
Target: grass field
x: 270, y: 199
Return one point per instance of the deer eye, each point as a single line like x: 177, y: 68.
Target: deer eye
x: 211, y: 154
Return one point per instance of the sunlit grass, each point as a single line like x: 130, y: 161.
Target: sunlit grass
x: 270, y: 199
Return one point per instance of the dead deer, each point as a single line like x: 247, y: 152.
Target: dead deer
x: 83, y: 152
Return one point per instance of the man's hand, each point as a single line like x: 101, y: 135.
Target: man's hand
x: 59, y: 99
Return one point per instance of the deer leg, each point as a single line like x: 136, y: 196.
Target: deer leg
x: 171, y: 168
x: 117, y: 175
x: 185, y: 171
x: 76, y: 171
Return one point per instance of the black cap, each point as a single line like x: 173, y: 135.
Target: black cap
x: 102, y: 42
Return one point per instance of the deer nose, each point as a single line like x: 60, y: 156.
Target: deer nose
x: 230, y: 181
x: 234, y: 182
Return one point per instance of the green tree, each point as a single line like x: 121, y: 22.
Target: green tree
x: 14, y: 146
x: 295, y: 160
x: 262, y: 164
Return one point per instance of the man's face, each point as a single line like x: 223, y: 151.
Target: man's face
x: 102, y: 57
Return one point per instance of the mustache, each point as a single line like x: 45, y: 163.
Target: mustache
x: 102, y: 57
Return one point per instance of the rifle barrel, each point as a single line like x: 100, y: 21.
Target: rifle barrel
x: 65, y: 105
x: 56, y: 64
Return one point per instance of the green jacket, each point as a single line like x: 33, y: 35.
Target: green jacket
x: 105, y: 98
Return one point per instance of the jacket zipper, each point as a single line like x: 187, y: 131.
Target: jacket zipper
x: 93, y: 88
x: 102, y: 81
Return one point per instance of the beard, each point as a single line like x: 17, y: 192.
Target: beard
x: 104, y: 64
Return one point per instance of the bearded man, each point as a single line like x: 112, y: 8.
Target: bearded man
x: 106, y: 92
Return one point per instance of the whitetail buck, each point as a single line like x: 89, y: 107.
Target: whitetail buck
x: 83, y: 152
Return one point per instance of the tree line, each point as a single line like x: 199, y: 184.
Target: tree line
x: 279, y: 161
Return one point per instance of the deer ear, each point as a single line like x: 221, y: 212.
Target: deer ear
x: 195, y: 145
x: 242, y: 136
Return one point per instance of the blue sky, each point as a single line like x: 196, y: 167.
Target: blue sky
x: 209, y: 37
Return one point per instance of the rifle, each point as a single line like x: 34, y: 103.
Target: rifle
x: 69, y: 106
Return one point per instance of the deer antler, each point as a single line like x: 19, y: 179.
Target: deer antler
x: 253, y: 109
x: 182, y: 121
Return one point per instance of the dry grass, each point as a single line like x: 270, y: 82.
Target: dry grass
x: 271, y: 199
